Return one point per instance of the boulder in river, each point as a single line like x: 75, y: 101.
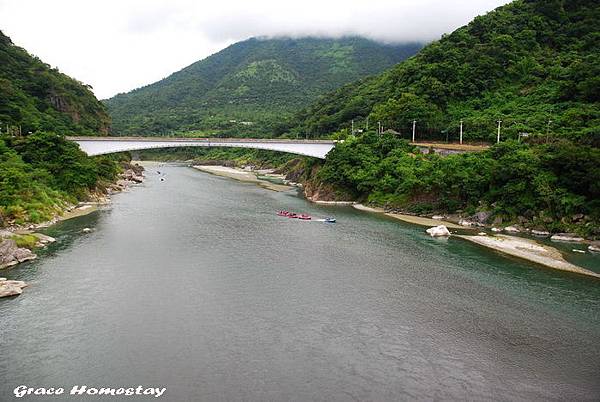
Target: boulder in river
x: 540, y: 233
x: 438, y: 231
x: 11, y: 288
x: 511, y: 229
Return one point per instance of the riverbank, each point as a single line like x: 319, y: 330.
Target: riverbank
x: 529, y: 250
x: 247, y: 176
x: 18, y: 242
x: 414, y: 219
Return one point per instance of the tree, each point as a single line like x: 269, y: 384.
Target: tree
x: 398, y: 113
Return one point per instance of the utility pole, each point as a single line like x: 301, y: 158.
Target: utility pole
x: 548, y: 131
x: 414, y: 130
x: 379, y: 127
x: 367, y: 129
x: 499, y: 125
x: 461, y: 131
x: 352, y: 126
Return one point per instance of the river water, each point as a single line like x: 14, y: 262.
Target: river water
x: 194, y: 284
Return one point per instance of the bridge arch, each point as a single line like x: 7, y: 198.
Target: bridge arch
x: 106, y: 145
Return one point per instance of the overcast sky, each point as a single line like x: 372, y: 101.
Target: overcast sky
x: 119, y: 45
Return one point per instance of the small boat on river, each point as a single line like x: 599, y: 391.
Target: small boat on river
x: 329, y: 220
x: 304, y: 217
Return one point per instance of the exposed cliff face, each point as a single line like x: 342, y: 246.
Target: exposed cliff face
x: 322, y: 192
x: 34, y: 96
x: 301, y: 171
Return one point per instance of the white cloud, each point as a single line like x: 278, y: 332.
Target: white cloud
x: 119, y: 45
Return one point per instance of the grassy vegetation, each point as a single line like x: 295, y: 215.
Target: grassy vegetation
x: 25, y: 240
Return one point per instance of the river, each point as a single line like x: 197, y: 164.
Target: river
x: 194, y: 284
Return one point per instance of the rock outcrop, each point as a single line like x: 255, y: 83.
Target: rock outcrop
x: 11, y: 254
x: 482, y: 216
x: 11, y: 288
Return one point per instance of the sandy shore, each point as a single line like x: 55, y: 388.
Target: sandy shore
x: 417, y: 220
x: 527, y: 249
x: 241, y: 175
x: 362, y: 207
x: 340, y: 203
x: 530, y: 250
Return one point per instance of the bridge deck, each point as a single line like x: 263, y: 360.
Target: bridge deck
x: 202, y: 139
x: 105, y: 145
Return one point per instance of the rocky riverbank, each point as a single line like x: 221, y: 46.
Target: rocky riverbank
x: 527, y: 249
x: 11, y: 288
x: 11, y: 253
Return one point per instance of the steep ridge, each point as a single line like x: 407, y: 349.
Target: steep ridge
x: 34, y: 96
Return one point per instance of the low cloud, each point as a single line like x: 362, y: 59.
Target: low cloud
x: 117, y: 45
x: 389, y: 21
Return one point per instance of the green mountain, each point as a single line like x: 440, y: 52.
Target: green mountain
x: 34, y: 96
x: 533, y: 64
x: 257, y: 80
x: 41, y: 173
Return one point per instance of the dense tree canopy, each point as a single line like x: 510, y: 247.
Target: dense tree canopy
x: 34, y: 96
x: 42, y: 172
x: 546, y: 184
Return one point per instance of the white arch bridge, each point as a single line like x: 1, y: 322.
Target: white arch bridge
x: 108, y: 145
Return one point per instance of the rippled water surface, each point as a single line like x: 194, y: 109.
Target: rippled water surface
x: 194, y: 284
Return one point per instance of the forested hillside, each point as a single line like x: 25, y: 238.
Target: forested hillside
x: 251, y: 86
x: 534, y: 65
x: 34, y: 96
x: 40, y: 171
